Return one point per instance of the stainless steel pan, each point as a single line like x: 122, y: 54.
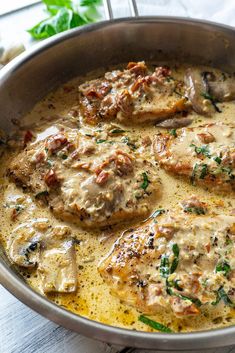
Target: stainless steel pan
x: 31, y: 76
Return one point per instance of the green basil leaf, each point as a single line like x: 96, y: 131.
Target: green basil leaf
x: 53, y: 25
x: 154, y: 324
x: 194, y: 209
x: 222, y: 295
x: 157, y: 213
x: 53, y: 6
x: 90, y: 2
x: 173, y: 132
x: 145, y: 183
x: 223, y: 267
x: 164, y: 266
x: 176, y: 251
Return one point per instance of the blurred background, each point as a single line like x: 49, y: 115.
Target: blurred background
x: 22, y: 330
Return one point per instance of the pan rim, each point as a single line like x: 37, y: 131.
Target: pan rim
x: 14, y: 284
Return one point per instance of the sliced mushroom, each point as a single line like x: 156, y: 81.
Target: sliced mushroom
x: 175, y: 123
x: 197, y: 92
x: 57, y: 263
x: 53, y: 251
x: 25, y: 246
x: 220, y: 86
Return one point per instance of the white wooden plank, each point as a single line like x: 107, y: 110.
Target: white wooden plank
x: 21, y: 329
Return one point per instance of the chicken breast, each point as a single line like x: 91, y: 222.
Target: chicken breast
x: 86, y: 179
x: 205, y: 155
x: 178, y: 260
x: 134, y: 95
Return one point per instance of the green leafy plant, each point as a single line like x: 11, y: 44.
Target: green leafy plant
x: 64, y: 15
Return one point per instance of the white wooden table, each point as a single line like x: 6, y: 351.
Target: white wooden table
x: 21, y: 329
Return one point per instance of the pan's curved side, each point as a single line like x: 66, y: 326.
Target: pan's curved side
x: 31, y: 76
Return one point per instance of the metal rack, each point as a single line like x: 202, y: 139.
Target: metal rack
x: 109, y: 11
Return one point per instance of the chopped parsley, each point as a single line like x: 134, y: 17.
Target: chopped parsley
x: 203, y: 171
x: 19, y: 208
x: 165, y: 268
x: 217, y: 160
x: 127, y: 141
x: 157, y: 213
x: 173, y: 132
x: 223, y: 267
x: 154, y: 324
x: 194, y: 209
x: 117, y: 131
x: 146, y: 181
x: 64, y: 156
x: 204, y: 150
x: 193, y: 176
x: 222, y: 295
x: 196, y: 301
x: 100, y: 141
x: 176, y: 251
x: 175, y: 284
x: 228, y: 171
x: 41, y: 194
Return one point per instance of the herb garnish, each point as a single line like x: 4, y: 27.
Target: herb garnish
x: 175, y: 284
x: 204, y: 150
x: 165, y: 268
x: 100, y: 141
x: 217, y: 159
x: 126, y: 140
x: 173, y: 132
x: 176, y: 251
x: 223, y: 267
x: 203, y: 171
x: 193, y: 176
x: 117, y: 131
x: 201, y: 150
x: 146, y: 181
x: 64, y: 156
x: 154, y: 324
x: 157, y: 213
x: 228, y: 171
x: 195, y: 209
x: 196, y: 301
x: 222, y: 295
x: 41, y: 194
x: 212, y: 100
x: 64, y: 15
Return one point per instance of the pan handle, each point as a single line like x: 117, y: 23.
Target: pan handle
x: 134, y: 8
x: 109, y: 11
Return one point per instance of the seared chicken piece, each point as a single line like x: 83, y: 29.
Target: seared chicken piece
x: 34, y: 243
x: 85, y: 179
x: 205, y: 155
x: 134, y: 95
x: 179, y: 260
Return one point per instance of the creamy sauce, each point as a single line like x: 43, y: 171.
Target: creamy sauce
x: 93, y: 298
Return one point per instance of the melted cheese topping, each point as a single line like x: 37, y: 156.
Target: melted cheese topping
x: 18, y: 207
